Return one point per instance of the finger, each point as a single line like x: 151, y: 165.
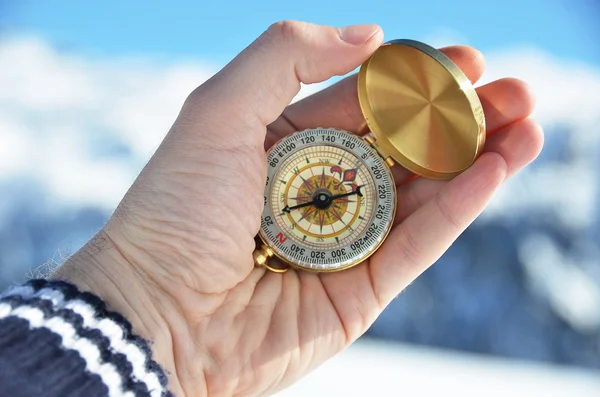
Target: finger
x: 338, y: 107
x: 425, y: 235
x: 519, y: 144
x: 260, y: 82
x: 504, y: 101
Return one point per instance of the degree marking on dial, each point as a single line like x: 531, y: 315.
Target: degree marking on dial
x: 307, y: 160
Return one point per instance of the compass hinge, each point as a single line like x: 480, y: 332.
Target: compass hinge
x: 373, y: 142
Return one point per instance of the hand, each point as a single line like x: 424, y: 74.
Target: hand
x: 176, y: 256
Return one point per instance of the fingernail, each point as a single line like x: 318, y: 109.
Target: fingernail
x: 358, y: 34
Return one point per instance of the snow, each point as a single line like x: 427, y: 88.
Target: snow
x: 381, y: 369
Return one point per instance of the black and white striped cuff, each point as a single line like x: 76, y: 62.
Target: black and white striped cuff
x: 110, y: 354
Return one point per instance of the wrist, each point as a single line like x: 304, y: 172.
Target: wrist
x: 102, y: 269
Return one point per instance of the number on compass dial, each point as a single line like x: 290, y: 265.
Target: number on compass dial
x: 329, y: 200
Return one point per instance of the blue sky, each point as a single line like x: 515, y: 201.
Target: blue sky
x: 215, y: 31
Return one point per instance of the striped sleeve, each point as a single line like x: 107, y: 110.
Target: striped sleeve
x: 58, y: 341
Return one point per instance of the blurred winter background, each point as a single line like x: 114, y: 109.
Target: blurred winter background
x: 88, y: 90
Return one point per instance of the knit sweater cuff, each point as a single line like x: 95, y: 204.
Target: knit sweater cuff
x: 59, y: 341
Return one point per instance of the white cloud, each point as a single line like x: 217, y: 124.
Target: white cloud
x: 56, y: 109
x: 443, y: 37
x: 14, y: 147
x: 568, y: 92
x: 567, y: 98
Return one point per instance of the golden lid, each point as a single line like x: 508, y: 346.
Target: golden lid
x: 421, y: 108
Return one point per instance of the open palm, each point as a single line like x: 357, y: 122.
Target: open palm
x: 176, y: 257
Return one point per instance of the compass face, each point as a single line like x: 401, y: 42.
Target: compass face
x: 329, y: 200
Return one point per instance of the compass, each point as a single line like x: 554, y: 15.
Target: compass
x: 330, y: 197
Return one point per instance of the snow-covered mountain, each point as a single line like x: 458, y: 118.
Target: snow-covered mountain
x: 523, y: 281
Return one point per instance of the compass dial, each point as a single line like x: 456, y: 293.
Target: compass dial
x: 329, y: 200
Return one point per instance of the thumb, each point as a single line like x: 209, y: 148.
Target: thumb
x: 264, y: 78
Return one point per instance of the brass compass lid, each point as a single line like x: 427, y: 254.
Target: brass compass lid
x: 421, y: 108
